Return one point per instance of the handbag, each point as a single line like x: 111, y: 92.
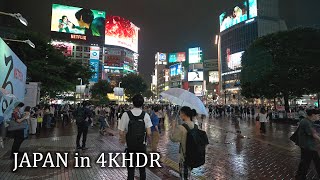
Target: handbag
x: 14, y: 126
x: 295, y: 137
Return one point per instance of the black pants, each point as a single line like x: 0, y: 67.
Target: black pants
x: 263, y: 127
x: 18, y: 139
x: 306, y: 157
x: 132, y: 169
x: 82, y: 130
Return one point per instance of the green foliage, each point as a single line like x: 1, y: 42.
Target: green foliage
x: 48, y: 65
x: 101, y: 89
x: 133, y: 84
x: 283, y: 64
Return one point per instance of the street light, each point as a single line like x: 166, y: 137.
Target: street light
x: 22, y: 41
x: 17, y: 16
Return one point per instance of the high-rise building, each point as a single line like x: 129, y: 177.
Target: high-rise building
x: 239, y: 27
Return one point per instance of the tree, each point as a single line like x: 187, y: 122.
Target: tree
x: 100, y: 90
x: 48, y: 65
x: 283, y: 64
x: 133, y: 84
x: 148, y: 94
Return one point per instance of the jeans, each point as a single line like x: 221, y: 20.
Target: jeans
x: 306, y: 157
x: 48, y: 122
x: 131, y: 170
x: 18, y: 139
x: 82, y: 131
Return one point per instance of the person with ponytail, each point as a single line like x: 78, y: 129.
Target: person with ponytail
x: 179, y: 134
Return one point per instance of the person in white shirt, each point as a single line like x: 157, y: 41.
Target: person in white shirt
x: 123, y: 127
x: 263, y: 118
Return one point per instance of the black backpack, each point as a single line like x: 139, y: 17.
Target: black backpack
x: 197, y: 140
x: 136, y: 135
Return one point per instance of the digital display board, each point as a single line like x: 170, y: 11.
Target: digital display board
x: 234, y: 60
x: 80, y: 23
x: 175, y: 70
x: 234, y: 16
x: 177, y: 57
x: 121, y: 32
x: 94, y: 63
x: 253, y: 9
x: 195, y: 76
x: 197, y: 90
x: 213, y: 76
x: 195, y: 55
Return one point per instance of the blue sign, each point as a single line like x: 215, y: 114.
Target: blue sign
x: 94, y: 63
x: 162, y: 57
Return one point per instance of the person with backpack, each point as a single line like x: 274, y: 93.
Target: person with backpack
x: 135, y: 127
x: 307, y: 137
x: 193, y: 142
x: 83, y: 120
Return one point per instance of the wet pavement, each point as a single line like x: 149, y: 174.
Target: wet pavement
x: 269, y: 156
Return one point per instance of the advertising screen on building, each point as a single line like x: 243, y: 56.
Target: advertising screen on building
x: 94, y: 63
x: 121, y: 32
x: 234, y: 60
x: 177, y: 57
x: 195, y: 76
x: 81, y: 23
x: 213, y: 76
x: 175, y: 70
x: 13, y: 75
x: 253, y: 9
x: 234, y: 16
x: 197, y: 90
x: 195, y: 55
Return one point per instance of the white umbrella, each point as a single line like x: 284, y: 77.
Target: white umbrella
x: 182, y: 97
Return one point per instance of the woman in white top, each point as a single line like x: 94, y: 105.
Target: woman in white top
x: 263, y: 118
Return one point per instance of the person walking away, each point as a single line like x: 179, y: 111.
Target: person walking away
x: 83, y: 121
x: 134, y: 129
x: 102, y: 120
x: 18, y: 135
x: 190, y: 152
x: 252, y: 112
x: 263, y: 119
x: 307, y: 138
x: 155, y: 134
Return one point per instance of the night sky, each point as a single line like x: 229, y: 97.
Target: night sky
x: 165, y: 25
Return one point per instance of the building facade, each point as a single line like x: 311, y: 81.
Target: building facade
x: 252, y: 19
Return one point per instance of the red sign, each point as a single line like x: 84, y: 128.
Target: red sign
x: 18, y: 74
x: 181, y: 56
x: 81, y: 37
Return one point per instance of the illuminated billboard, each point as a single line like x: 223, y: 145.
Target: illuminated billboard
x: 177, y: 57
x: 81, y: 23
x: 234, y: 16
x: 234, y: 60
x: 121, y: 32
x: 213, y: 76
x: 94, y: 63
x: 197, y: 90
x: 195, y: 55
x: 195, y: 76
x: 253, y: 9
x: 175, y: 70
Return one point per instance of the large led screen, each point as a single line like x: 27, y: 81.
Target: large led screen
x: 195, y: 76
x: 234, y: 16
x: 121, y: 32
x: 177, y: 57
x: 234, y: 60
x: 195, y: 55
x: 175, y: 70
x: 75, y: 20
x: 253, y: 9
x: 213, y: 76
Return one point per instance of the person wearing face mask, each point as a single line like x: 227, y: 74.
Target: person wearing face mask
x: 307, y: 138
x: 179, y: 134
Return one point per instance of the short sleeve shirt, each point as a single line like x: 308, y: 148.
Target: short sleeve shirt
x: 306, y: 139
x: 124, y: 121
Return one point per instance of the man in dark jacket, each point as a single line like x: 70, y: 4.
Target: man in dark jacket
x: 84, y: 118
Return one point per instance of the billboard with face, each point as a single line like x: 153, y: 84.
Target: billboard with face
x: 82, y: 23
x: 121, y: 32
x: 234, y: 16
